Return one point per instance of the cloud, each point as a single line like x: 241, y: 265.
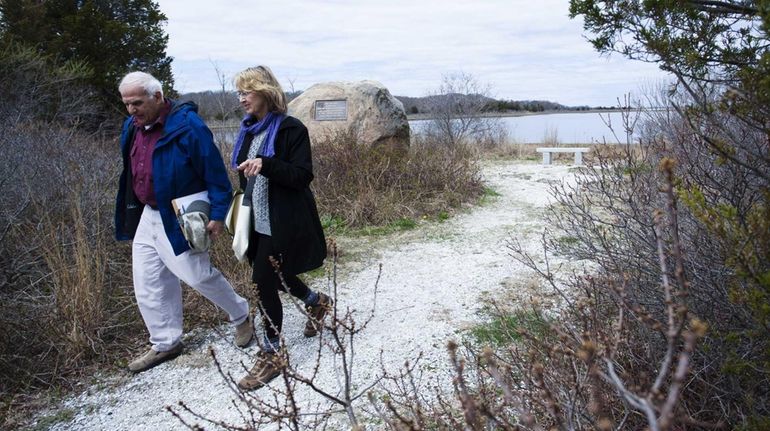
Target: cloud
x: 525, y: 50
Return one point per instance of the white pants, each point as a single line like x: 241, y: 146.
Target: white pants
x: 157, y: 272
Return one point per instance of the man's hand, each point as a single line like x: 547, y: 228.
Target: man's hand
x: 251, y: 167
x: 215, y: 228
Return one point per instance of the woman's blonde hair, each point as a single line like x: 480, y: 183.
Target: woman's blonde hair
x: 261, y: 80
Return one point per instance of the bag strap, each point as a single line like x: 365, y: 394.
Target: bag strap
x: 249, y: 190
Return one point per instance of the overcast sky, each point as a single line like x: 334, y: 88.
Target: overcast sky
x: 523, y: 49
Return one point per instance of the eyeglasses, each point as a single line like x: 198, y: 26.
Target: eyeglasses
x: 243, y: 93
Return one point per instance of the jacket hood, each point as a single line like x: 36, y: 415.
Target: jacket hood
x: 188, y: 106
x: 178, y: 116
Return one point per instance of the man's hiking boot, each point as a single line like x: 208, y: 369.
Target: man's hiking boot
x: 267, y: 367
x: 152, y: 358
x: 244, y: 332
x: 316, y: 314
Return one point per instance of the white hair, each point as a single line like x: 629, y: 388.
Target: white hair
x: 143, y: 80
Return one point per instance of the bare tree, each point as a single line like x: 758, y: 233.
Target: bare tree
x: 224, y: 98
x: 457, y: 108
x: 278, y: 404
x: 225, y: 109
x: 291, y: 91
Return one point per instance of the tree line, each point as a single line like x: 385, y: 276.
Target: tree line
x: 423, y: 105
x: 223, y: 105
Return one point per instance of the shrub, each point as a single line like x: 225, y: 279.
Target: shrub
x: 34, y: 88
x: 668, y: 330
x: 362, y: 185
x: 65, y: 294
x: 66, y: 297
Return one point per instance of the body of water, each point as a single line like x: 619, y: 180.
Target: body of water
x: 550, y: 129
x: 568, y: 128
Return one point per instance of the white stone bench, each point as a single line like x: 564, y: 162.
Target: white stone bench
x: 578, y: 153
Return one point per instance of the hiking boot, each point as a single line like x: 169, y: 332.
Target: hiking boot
x: 267, y: 367
x: 316, y: 314
x: 244, y: 332
x: 152, y: 358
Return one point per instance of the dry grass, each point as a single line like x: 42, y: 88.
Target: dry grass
x: 528, y: 152
x: 667, y: 331
x: 65, y: 303
x: 78, y: 275
x: 356, y: 185
x: 67, y: 306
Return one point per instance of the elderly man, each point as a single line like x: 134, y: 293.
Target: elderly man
x: 169, y: 153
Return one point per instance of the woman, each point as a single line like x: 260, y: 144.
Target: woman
x: 272, y: 155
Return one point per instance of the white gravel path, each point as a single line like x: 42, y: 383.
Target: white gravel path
x: 433, y: 281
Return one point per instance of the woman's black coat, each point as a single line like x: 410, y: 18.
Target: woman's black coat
x: 298, y: 238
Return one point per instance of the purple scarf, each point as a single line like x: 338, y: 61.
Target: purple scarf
x: 270, y: 122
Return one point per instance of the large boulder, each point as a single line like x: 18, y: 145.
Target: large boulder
x: 364, y: 108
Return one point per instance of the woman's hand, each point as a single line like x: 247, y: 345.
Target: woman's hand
x: 251, y: 167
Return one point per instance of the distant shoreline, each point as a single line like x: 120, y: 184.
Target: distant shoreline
x: 418, y: 117
x: 421, y: 117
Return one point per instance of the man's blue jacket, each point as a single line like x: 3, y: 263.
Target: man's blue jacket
x: 184, y: 161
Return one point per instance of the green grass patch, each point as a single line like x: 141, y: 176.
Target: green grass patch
x: 490, y: 192
x: 333, y: 225
x: 567, y: 240
x: 47, y: 422
x: 488, y: 195
x: 638, y: 169
x: 399, y: 225
x: 314, y: 274
x: 503, y: 329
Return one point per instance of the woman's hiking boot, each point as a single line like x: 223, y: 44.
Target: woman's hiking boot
x: 316, y: 314
x: 267, y: 367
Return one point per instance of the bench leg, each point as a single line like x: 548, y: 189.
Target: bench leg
x: 578, y: 158
x: 546, y: 158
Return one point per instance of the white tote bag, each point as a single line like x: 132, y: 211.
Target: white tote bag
x: 238, y: 224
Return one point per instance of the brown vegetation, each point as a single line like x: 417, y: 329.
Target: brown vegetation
x: 66, y: 297
x: 669, y: 328
x: 357, y: 185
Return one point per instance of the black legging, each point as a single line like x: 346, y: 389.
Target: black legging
x: 268, y: 284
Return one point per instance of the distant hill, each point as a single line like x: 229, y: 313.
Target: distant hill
x: 215, y: 105
x: 224, y: 106
x: 220, y: 105
x: 419, y: 105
